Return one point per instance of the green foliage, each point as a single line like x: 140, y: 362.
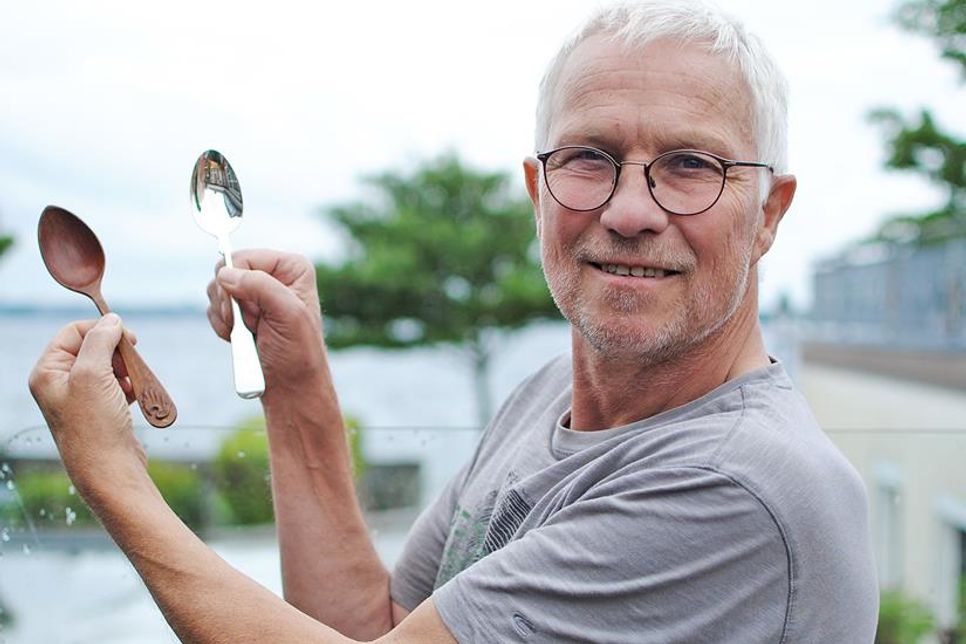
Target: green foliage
x: 353, y: 430
x: 48, y: 498
x: 5, y: 243
x: 441, y: 254
x: 902, y: 620
x: 942, y: 20
x: 919, y: 145
x: 182, y: 489
x: 444, y: 253
x: 6, y: 617
x: 958, y: 631
x: 241, y: 474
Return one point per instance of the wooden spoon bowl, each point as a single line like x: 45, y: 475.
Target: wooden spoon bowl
x: 75, y: 259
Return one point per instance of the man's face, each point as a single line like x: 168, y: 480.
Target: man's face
x: 636, y: 105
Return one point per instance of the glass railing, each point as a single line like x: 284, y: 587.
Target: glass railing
x: 63, y: 580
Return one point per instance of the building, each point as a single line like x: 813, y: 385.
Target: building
x: 883, y: 364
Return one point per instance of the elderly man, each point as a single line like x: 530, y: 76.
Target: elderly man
x: 665, y: 483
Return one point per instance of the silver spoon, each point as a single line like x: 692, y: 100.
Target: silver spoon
x: 216, y: 203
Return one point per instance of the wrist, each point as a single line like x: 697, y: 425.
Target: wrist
x: 306, y: 432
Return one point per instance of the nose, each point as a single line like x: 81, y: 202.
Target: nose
x: 632, y: 210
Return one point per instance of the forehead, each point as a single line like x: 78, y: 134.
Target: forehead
x: 665, y: 93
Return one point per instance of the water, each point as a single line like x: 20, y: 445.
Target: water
x: 419, y: 388
x: 423, y: 387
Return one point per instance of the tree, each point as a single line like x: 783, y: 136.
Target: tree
x: 5, y: 243
x: 442, y: 254
x: 920, y: 145
x: 902, y: 619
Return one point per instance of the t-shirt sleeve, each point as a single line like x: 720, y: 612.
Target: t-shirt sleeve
x: 414, y: 575
x: 681, y: 555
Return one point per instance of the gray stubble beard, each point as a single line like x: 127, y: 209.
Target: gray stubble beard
x: 668, y: 342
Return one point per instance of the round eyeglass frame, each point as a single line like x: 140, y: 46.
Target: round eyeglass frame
x: 619, y: 165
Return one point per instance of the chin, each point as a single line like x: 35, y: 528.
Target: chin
x: 649, y: 338
x: 634, y: 341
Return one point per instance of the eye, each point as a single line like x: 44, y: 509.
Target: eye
x: 690, y: 163
x: 579, y: 159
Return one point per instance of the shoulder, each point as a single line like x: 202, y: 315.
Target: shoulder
x: 777, y: 448
x: 778, y: 453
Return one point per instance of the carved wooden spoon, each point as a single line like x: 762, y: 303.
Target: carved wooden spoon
x: 75, y: 259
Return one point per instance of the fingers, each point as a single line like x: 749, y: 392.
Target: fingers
x: 71, y: 337
x: 259, y: 288
x: 120, y: 371
x: 263, y: 282
x: 287, y: 268
x: 58, y: 360
x: 97, y: 348
x: 219, y: 310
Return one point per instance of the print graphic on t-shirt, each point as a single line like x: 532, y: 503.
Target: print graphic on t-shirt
x: 504, y: 523
x: 476, y: 534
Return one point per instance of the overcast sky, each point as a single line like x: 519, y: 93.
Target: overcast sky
x: 104, y: 107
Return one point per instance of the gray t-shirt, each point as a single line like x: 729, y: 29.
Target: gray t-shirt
x: 732, y: 518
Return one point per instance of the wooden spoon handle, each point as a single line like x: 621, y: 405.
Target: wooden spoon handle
x: 155, y: 403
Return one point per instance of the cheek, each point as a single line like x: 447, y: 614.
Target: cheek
x: 557, y: 230
x: 722, y: 243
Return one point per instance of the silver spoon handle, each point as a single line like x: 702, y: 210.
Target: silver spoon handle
x: 246, y: 368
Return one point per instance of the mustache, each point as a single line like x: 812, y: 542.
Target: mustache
x: 645, y: 250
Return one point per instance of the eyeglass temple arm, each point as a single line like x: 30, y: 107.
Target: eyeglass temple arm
x: 750, y: 164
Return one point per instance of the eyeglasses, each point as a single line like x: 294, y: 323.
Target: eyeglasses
x: 682, y: 182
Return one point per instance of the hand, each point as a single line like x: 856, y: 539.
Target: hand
x: 279, y: 302
x: 81, y: 387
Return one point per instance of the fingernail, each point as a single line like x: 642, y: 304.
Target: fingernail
x: 111, y: 319
x: 229, y: 276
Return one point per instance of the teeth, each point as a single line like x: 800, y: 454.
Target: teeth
x: 636, y: 271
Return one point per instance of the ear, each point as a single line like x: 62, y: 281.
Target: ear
x: 531, y: 174
x: 779, y: 199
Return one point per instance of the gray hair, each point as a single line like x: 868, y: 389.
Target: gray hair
x: 639, y: 22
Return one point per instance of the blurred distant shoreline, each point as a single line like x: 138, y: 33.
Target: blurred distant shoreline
x: 82, y: 310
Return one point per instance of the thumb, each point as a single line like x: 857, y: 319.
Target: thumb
x: 98, y: 346
x: 258, y: 287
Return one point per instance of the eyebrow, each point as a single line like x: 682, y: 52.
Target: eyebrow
x: 661, y: 141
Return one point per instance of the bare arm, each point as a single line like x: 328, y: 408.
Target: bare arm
x: 202, y: 597
x: 330, y: 569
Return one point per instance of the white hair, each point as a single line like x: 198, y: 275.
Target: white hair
x: 640, y: 22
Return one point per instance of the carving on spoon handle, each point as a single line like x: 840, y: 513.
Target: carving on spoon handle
x: 155, y: 403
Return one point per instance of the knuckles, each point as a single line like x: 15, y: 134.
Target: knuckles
x: 38, y: 382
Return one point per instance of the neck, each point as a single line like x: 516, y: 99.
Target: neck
x: 610, y: 393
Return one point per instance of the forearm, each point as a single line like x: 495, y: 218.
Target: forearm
x: 330, y: 568
x: 201, y: 596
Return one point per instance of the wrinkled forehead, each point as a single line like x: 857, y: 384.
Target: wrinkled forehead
x: 660, y: 70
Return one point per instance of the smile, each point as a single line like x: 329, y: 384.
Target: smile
x: 633, y: 271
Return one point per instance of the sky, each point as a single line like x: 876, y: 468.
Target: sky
x: 104, y: 107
